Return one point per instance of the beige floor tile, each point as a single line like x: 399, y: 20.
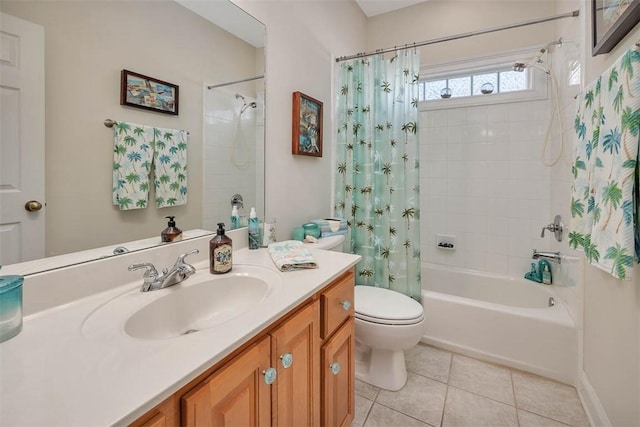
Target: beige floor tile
x: 548, y: 398
x: 421, y: 398
x: 366, y: 390
x: 528, y: 419
x: 429, y: 361
x: 482, y: 378
x: 362, y: 410
x: 381, y: 416
x: 465, y: 409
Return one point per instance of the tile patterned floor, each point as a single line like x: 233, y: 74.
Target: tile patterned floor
x: 450, y: 390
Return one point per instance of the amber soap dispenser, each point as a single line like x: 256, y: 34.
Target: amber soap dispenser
x: 171, y: 233
x: 220, y: 252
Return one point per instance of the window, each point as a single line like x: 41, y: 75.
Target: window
x: 482, y: 81
x: 475, y: 84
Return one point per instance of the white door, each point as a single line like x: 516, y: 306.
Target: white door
x: 21, y: 140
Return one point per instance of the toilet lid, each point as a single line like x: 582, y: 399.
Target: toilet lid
x: 382, y: 305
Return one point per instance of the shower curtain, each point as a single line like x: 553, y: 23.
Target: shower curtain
x: 377, y: 183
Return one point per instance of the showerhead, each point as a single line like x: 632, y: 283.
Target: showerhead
x: 252, y: 104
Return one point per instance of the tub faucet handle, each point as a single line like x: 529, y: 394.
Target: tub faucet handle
x: 556, y: 227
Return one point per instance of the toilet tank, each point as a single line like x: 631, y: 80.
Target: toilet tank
x: 331, y: 243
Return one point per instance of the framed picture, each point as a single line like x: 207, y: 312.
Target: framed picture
x: 307, y: 125
x: 612, y: 20
x: 137, y: 90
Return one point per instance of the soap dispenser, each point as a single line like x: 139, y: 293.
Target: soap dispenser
x: 546, y: 272
x: 220, y: 252
x: 171, y: 233
x: 254, y: 237
x: 235, y: 218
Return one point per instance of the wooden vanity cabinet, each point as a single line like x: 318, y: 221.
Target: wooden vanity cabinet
x: 309, y: 389
x: 337, y: 366
x: 235, y: 395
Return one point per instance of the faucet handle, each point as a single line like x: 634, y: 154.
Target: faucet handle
x: 181, y: 258
x: 149, y: 272
x: 556, y: 227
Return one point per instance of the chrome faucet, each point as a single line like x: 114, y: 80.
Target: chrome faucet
x: 551, y: 256
x: 179, y: 272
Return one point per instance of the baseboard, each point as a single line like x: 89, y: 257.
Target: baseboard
x: 592, y: 406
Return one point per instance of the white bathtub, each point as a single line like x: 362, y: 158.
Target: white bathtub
x: 499, y: 319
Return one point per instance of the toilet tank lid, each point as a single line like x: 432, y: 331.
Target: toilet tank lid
x: 384, y: 303
x: 328, y: 242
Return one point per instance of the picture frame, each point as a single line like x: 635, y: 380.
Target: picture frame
x: 612, y: 20
x: 307, y: 125
x: 148, y: 93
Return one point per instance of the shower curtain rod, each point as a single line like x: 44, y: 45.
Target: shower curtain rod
x: 461, y: 36
x: 236, y: 81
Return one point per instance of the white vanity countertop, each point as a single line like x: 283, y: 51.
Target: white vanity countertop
x: 55, y: 373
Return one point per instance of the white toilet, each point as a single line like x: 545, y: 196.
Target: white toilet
x: 387, y: 323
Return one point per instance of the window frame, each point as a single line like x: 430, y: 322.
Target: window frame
x: 538, y: 81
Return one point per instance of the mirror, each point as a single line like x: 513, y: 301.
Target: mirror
x: 86, y: 46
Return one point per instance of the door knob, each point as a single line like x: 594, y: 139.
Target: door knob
x: 33, y: 206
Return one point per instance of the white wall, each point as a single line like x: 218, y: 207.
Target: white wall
x: 610, y: 308
x: 303, y: 37
x: 438, y: 18
x: 231, y: 152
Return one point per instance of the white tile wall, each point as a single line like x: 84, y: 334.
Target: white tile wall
x: 223, y: 179
x: 485, y: 183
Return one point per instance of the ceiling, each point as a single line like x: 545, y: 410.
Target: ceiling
x: 378, y: 7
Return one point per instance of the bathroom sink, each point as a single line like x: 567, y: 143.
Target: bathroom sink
x: 201, y: 302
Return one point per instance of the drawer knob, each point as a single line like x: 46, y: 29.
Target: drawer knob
x: 346, y: 304
x: 269, y: 376
x: 335, y: 368
x: 286, y: 360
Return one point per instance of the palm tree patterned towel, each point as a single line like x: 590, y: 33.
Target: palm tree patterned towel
x: 291, y: 255
x: 137, y: 150
x: 604, y: 191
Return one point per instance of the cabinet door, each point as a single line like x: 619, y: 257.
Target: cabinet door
x: 235, y: 395
x: 338, y: 377
x: 337, y: 304
x: 295, y: 351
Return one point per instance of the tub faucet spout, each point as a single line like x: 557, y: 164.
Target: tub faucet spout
x: 551, y: 256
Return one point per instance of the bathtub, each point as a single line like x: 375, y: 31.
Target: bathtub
x: 499, y: 319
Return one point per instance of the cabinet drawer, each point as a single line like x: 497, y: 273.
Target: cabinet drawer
x: 337, y: 304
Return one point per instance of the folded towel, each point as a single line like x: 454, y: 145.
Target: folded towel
x: 333, y: 233
x: 330, y: 225
x: 291, y: 255
x: 602, y: 204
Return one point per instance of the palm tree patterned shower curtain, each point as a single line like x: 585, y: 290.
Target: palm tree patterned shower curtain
x: 378, y: 168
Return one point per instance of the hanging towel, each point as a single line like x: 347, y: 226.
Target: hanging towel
x: 603, y: 210
x: 132, y: 164
x: 138, y: 149
x: 291, y: 255
x: 170, y: 163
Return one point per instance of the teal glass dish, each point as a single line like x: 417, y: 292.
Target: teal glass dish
x: 311, y: 229
x: 10, y: 306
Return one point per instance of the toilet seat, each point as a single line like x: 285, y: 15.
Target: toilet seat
x: 384, y: 306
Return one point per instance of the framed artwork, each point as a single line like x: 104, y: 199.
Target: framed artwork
x: 307, y: 125
x: 140, y: 91
x: 612, y: 20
